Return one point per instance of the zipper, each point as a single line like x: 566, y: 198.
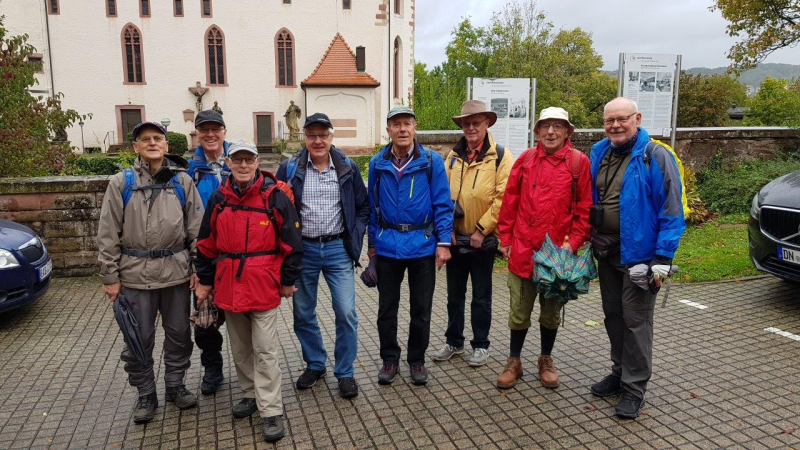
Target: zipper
x: 411, y: 192
x: 475, y: 180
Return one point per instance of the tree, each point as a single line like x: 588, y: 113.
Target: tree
x: 26, y: 122
x: 763, y: 27
x: 704, y: 99
x: 777, y: 103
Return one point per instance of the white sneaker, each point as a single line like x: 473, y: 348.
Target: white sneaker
x: 447, y: 352
x: 479, y: 357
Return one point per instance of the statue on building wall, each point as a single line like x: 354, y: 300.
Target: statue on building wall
x: 292, y: 114
x: 198, y: 91
x: 217, y: 108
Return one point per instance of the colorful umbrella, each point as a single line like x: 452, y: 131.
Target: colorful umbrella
x: 561, y: 275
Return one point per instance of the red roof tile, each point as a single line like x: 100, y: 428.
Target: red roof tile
x: 338, y: 68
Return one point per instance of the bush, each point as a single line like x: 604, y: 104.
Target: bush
x: 178, y: 144
x: 99, y: 165
x: 730, y: 190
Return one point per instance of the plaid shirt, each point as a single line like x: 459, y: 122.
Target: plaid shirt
x: 321, y: 211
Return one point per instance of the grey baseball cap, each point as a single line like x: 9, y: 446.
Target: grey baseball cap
x: 240, y: 145
x: 398, y: 110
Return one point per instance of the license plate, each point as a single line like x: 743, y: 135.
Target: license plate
x: 792, y: 256
x: 45, y: 270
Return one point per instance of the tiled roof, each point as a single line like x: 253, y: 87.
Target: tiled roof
x: 338, y: 68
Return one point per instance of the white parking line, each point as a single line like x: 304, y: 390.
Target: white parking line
x: 696, y: 305
x: 780, y: 332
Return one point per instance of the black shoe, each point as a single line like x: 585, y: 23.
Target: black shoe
x: 348, y: 388
x: 181, y: 397
x: 419, y: 374
x: 245, y: 408
x: 608, y: 387
x: 309, y: 378
x: 145, y: 408
x: 273, y: 428
x: 387, y: 373
x: 629, y: 406
x: 212, y: 379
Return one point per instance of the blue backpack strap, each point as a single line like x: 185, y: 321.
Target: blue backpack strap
x: 127, y: 190
x: 178, y: 188
x: 291, y: 168
x: 429, y: 170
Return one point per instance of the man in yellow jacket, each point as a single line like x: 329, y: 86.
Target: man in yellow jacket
x: 477, y: 169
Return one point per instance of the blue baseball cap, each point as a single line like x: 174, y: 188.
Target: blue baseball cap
x: 138, y: 128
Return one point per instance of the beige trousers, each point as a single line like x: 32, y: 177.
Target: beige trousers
x: 254, y: 342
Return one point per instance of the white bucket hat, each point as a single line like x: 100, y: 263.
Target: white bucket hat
x: 554, y: 112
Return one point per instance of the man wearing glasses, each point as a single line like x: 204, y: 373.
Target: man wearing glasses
x: 209, y: 171
x: 478, y: 169
x: 334, y: 210
x: 549, y: 193
x: 638, y: 219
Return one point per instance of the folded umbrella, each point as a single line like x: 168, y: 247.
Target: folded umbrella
x: 206, y: 315
x: 559, y: 274
x: 130, y: 328
x: 370, y: 275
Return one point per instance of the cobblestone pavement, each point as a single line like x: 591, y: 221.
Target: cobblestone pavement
x: 720, y: 380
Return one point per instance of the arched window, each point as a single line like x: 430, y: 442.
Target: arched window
x: 132, y: 55
x: 215, y: 56
x: 284, y: 55
x: 396, y: 74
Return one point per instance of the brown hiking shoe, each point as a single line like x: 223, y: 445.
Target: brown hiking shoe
x: 547, y: 372
x: 511, y: 373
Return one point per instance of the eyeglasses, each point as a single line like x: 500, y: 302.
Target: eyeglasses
x: 238, y: 161
x: 622, y: 120
x: 313, y: 137
x: 466, y: 125
x: 156, y: 139
x: 207, y: 130
x: 555, y: 125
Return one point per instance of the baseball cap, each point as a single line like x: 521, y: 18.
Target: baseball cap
x: 208, y: 115
x: 240, y: 145
x: 319, y: 118
x: 138, y: 128
x: 397, y: 110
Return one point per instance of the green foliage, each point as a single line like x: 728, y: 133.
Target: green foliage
x: 704, y: 99
x: 730, y: 190
x: 27, y: 123
x: 777, y: 103
x: 715, y: 251
x: 178, y: 144
x: 98, y: 165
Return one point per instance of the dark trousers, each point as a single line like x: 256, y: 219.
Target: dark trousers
x: 629, y: 323
x: 478, y: 265
x: 209, y: 341
x: 421, y: 282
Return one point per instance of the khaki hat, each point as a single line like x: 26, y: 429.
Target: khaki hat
x: 473, y: 107
x: 554, y: 112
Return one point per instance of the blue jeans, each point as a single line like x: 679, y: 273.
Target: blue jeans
x: 332, y: 260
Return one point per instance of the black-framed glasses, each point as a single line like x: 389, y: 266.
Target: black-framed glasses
x: 239, y: 160
x: 622, y: 120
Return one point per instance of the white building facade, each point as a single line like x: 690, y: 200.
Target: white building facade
x: 125, y: 61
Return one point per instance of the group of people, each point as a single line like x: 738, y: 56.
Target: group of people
x: 243, y: 239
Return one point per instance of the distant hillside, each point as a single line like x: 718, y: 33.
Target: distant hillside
x: 753, y: 77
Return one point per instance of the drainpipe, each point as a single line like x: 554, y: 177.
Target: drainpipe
x: 49, y: 50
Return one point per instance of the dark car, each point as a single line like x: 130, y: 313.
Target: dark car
x: 774, y: 228
x: 25, y: 266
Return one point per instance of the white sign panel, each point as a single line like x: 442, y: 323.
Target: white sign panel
x: 510, y: 99
x: 649, y: 80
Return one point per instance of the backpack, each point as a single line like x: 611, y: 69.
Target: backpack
x: 574, y: 168
x: 130, y: 185
x: 375, y: 193
x: 501, y: 151
x: 648, y: 155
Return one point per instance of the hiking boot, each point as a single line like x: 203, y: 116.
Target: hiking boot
x: 387, y: 373
x: 211, y: 380
x: 511, y: 373
x: 608, y: 387
x: 547, y: 372
x: 348, y: 388
x: 629, y: 406
x: 245, y: 408
x: 479, y: 357
x: 273, y: 428
x: 145, y: 408
x: 182, y: 398
x: 447, y: 352
x: 419, y: 374
x: 309, y: 378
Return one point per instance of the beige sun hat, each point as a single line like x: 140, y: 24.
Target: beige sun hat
x: 554, y: 112
x: 473, y: 107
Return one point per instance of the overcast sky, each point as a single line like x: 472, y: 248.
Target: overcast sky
x: 683, y: 27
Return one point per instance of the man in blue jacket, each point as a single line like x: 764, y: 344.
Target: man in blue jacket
x: 208, y: 170
x: 638, y: 221
x: 331, y: 199
x: 410, y: 228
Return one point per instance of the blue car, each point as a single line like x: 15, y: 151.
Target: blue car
x: 25, y: 266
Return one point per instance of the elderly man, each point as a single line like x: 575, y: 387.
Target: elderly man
x: 148, y: 222
x: 410, y: 227
x: 250, y: 252
x: 549, y: 192
x: 332, y: 200
x: 478, y: 169
x: 637, y: 218
x: 209, y: 171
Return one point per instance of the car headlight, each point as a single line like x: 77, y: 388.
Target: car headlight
x: 755, y: 208
x: 7, y: 260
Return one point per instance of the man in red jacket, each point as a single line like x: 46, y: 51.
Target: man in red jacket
x: 250, y: 250
x: 549, y: 192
